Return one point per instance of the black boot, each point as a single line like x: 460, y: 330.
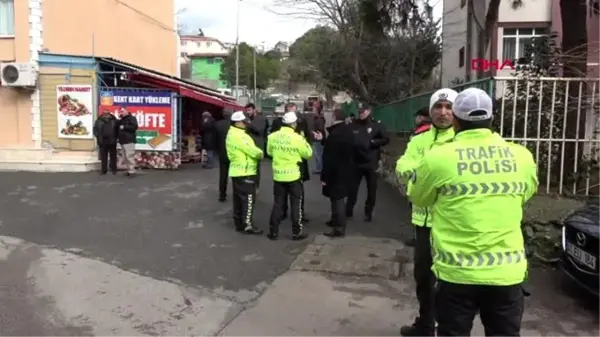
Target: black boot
x: 416, y: 330
x: 251, y: 230
x: 222, y: 198
x: 272, y: 235
x: 335, y: 233
x: 368, y: 217
x: 299, y: 236
x: 329, y: 223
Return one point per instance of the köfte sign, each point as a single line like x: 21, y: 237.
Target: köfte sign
x: 485, y: 65
x: 154, y: 113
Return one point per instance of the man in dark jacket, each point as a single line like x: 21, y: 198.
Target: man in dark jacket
x: 106, y: 132
x: 318, y: 127
x: 208, y: 138
x: 369, y: 138
x: 257, y: 128
x: 221, y: 128
x: 338, y: 170
x: 128, y: 126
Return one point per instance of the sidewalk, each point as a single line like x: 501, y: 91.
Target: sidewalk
x: 360, y: 286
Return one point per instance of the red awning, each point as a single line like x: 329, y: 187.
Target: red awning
x: 197, y: 95
x: 184, y: 89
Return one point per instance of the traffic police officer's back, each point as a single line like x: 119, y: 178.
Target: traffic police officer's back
x: 440, y: 108
x: 287, y: 149
x: 244, y: 156
x: 476, y: 186
x: 369, y: 139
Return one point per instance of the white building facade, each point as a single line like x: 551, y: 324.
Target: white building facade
x: 463, y: 38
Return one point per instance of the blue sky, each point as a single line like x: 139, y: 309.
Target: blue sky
x: 258, y: 24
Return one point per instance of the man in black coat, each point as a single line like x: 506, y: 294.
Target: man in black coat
x: 338, y: 170
x: 209, y: 138
x: 257, y: 128
x: 369, y: 137
x: 106, y: 133
x: 221, y: 128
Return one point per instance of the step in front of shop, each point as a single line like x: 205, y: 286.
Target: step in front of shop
x: 72, y: 164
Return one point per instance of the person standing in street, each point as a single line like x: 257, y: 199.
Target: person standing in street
x: 209, y: 138
x: 106, y: 133
x: 244, y: 157
x: 476, y: 187
x: 318, y: 127
x: 440, y: 106
x: 221, y: 128
x: 128, y: 126
x: 370, y: 138
x: 287, y: 149
x: 422, y: 124
x: 257, y: 128
x: 338, y: 170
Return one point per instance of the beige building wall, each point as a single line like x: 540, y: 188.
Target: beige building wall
x: 142, y: 32
x: 135, y: 31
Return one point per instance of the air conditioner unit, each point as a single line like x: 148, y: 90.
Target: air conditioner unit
x: 17, y: 74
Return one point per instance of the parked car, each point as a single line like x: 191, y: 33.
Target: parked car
x: 580, y: 246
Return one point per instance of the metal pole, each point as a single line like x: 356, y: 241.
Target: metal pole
x: 254, y: 60
x: 237, y: 52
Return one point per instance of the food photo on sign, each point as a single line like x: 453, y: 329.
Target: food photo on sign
x: 74, y: 111
x: 154, y: 113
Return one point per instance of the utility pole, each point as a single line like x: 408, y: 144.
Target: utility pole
x: 254, y: 61
x: 237, y: 52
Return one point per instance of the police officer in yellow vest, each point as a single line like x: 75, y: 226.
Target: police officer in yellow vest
x: 244, y: 157
x: 441, y: 132
x: 288, y: 149
x: 475, y: 187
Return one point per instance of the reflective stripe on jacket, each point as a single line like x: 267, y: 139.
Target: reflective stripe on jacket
x: 242, y: 153
x: 287, y: 149
x: 415, y: 150
x: 476, y: 187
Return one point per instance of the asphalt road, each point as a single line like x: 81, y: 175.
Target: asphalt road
x: 77, y: 245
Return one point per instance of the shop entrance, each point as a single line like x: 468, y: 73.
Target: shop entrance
x: 156, y: 97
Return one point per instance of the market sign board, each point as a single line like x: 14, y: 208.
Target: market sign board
x: 154, y: 113
x: 75, y: 117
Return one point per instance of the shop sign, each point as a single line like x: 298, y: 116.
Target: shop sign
x: 154, y: 113
x: 75, y: 117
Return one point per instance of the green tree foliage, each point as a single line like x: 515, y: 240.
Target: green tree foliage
x: 377, y: 50
x: 267, y: 67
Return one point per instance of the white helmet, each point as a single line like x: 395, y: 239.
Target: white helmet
x: 445, y: 94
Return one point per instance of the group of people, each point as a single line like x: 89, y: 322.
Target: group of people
x: 110, y: 131
x: 467, y: 186
x: 344, y: 153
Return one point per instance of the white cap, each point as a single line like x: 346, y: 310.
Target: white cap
x: 238, y: 116
x: 473, y: 105
x: 289, y: 118
x: 445, y: 94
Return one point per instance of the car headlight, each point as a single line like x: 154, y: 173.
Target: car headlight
x: 564, y: 238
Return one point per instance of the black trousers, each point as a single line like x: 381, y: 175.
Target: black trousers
x: 108, y: 152
x: 257, y: 177
x: 371, y: 178
x: 244, y: 198
x: 338, y: 214
x: 282, y: 192
x: 425, y: 280
x: 223, y: 175
x: 500, y: 309
x: 285, y: 206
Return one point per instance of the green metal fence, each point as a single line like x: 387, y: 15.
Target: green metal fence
x: 350, y: 108
x: 399, y: 116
